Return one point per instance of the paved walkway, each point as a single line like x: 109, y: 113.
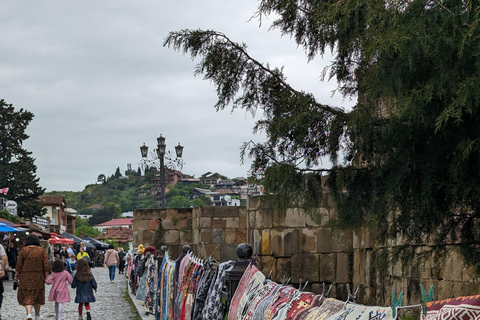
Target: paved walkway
x: 112, y: 301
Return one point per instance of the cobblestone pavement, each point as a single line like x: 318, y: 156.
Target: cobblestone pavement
x: 111, y: 301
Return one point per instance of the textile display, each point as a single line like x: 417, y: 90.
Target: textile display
x: 259, y: 313
x: 300, y: 301
x: 329, y: 307
x: 352, y: 311
x: 456, y: 308
x: 267, y: 290
x: 203, y: 285
x: 283, y: 295
x: 302, y: 314
x: 250, y: 284
x: 213, y: 309
x: 151, y: 286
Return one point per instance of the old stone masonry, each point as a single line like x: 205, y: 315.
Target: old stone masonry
x: 111, y: 301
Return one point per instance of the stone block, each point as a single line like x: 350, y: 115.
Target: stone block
x: 217, y: 236
x: 186, y: 237
x: 241, y: 236
x: 327, y: 265
x: 257, y: 241
x: 342, y: 241
x: 219, y: 223
x: 143, y: 225
x: 266, y: 242
x: 305, y: 268
x: 343, y: 274
x: 263, y: 219
x: 206, y: 223
x: 253, y: 203
x: 308, y: 240
x: 148, y: 238
x: 295, y: 218
x: 181, y: 224
x: 168, y: 224
x: 206, y: 235
x: 356, y: 240
x: 243, y: 223
x: 242, y: 212
x: 284, y: 270
x: 324, y: 240
x: 340, y: 292
x: 313, y: 219
x: 154, y: 224
x: 277, y: 242
x: 232, y: 223
x: 146, y: 214
x: 207, y: 211
x: 453, y: 269
x: 223, y: 212
x: 291, y: 240
x: 230, y: 236
x: 278, y: 218
x: 251, y: 217
x: 267, y: 265
x: 228, y: 252
x: 359, y: 267
x: 172, y: 237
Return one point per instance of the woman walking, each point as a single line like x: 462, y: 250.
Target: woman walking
x: 86, y: 285
x: 32, y: 271
x: 59, y: 292
x: 112, y: 261
x: 121, y: 256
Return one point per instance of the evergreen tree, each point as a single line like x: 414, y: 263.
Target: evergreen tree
x: 17, y: 167
x: 406, y: 159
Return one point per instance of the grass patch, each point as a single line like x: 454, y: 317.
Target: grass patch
x: 127, y: 298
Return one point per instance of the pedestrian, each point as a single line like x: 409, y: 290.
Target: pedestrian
x: 59, y: 292
x: 3, y: 257
x: 86, y: 285
x: 82, y: 253
x: 70, y: 250
x: 112, y: 261
x: 121, y: 256
x: 32, y: 271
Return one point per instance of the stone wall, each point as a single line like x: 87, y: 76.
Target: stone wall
x: 295, y: 245
x: 208, y: 230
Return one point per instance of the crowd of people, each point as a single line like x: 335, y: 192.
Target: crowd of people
x: 36, y: 265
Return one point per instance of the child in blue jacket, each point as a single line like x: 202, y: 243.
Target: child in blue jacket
x: 86, y: 285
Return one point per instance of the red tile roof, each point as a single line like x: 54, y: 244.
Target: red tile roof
x: 116, y: 222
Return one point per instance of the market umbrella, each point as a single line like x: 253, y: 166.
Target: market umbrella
x: 98, y: 244
x: 56, y: 239
x: 77, y: 240
x: 4, y: 227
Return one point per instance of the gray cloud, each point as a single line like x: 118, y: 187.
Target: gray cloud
x: 100, y: 83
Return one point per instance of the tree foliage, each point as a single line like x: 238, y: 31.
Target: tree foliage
x: 17, y: 167
x: 406, y: 158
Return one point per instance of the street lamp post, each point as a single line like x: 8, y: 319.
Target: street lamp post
x: 161, y: 155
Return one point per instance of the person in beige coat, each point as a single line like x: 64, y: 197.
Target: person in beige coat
x: 111, y: 261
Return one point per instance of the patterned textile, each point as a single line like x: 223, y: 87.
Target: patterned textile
x: 152, y: 286
x: 299, y: 302
x: 202, y: 289
x: 267, y: 290
x: 329, y: 307
x: 353, y: 311
x: 434, y: 308
x: 142, y: 288
x: 282, y: 296
x: 255, y: 284
x: 458, y: 312
x: 249, y: 285
x: 178, y: 284
x: 213, y: 309
x: 262, y: 306
x: 301, y: 315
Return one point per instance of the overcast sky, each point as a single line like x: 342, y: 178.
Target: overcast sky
x: 100, y: 84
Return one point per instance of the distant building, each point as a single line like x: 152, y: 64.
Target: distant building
x: 210, y: 179
x: 127, y: 214
x: 121, y: 235
x: 115, y: 223
x: 224, y: 198
x: 59, y: 220
x: 249, y: 190
x: 224, y: 184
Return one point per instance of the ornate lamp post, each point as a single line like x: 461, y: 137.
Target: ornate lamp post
x: 161, y: 155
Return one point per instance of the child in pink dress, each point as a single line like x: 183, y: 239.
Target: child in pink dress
x: 59, y: 292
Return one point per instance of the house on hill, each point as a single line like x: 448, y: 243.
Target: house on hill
x: 126, y: 223
x: 59, y: 220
